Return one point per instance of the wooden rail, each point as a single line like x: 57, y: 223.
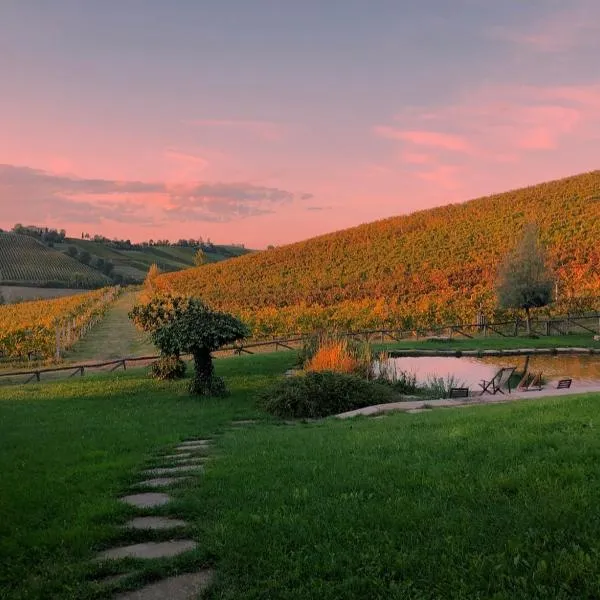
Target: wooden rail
x: 469, y: 331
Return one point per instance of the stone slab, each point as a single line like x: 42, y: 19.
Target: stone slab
x: 154, y: 523
x: 193, y: 450
x: 149, y: 550
x: 160, y: 482
x: 175, y: 456
x: 188, y: 443
x: 149, y: 500
x: 181, y: 587
x: 244, y: 422
x: 172, y: 470
x: 192, y: 461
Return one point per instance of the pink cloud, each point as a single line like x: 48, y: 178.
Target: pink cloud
x: 433, y: 139
x: 444, y: 176
x: 267, y: 130
x: 415, y: 158
x: 504, y: 120
x: 560, y: 31
x: 499, y: 127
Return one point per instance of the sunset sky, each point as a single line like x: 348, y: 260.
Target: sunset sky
x: 269, y: 121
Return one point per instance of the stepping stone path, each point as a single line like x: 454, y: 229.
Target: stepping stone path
x: 149, y: 550
x: 173, y: 470
x: 154, y: 523
x: 180, y: 455
x: 191, y: 461
x: 149, y: 500
x: 189, y: 443
x: 181, y: 587
x: 160, y: 482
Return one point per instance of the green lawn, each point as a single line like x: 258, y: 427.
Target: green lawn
x: 496, y: 343
x: 482, y: 502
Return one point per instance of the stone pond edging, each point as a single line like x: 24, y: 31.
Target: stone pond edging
x: 484, y: 353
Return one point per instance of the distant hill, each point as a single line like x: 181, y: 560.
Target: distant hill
x: 133, y: 263
x: 26, y: 261
x: 431, y: 267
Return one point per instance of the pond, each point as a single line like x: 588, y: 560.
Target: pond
x: 469, y: 371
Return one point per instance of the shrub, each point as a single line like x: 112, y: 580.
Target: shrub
x: 179, y: 325
x: 168, y: 367
x: 439, y: 387
x: 337, y: 354
x: 321, y: 394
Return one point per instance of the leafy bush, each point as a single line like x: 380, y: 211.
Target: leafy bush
x: 168, y: 367
x: 321, y: 394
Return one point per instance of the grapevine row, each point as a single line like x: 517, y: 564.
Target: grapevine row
x: 45, y: 327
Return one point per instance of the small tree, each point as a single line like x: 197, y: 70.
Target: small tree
x: 525, y: 281
x: 180, y: 325
x: 199, y: 257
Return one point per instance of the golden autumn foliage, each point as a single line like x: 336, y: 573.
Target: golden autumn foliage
x: 429, y: 268
x: 149, y: 289
x: 334, y: 355
x: 31, y: 327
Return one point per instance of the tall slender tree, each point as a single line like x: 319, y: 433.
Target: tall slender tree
x: 525, y: 281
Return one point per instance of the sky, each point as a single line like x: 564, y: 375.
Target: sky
x: 269, y: 121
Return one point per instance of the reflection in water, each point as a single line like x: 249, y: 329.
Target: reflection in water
x: 470, y: 371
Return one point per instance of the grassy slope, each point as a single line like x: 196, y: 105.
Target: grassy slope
x: 114, y: 337
x: 432, y: 266
x: 478, y: 503
x: 135, y: 263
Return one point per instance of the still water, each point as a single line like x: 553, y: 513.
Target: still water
x: 469, y: 371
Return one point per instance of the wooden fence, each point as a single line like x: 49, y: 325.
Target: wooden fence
x: 588, y: 324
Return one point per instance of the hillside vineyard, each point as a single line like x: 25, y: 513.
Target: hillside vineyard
x: 432, y: 267
x: 24, y: 260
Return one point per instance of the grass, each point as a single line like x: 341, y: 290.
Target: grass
x: 67, y: 450
x: 483, y: 502
x: 114, y: 337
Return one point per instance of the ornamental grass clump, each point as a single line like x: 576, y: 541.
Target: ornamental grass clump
x: 340, y: 355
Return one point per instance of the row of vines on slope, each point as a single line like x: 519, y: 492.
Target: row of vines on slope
x: 422, y: 270
x: 40, y: 327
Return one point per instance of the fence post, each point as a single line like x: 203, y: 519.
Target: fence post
x: 57, y: 355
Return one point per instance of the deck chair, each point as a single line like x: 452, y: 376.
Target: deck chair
x: 536, y: 383
x: 525, y: 381
x: 498, y: 381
